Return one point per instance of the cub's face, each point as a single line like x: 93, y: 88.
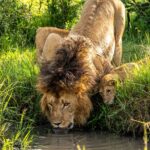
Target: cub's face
x: 107, y: 88
x: 60, y: 111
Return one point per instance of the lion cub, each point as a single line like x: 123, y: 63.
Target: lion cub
x: 107, y: 87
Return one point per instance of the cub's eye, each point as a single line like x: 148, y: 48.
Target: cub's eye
x: 66, y: 104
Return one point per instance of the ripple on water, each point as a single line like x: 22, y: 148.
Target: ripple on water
x: 91, y: 140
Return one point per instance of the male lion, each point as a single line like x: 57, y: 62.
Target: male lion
x: 107, y: 87
x: 71, y: 65
x: 67, y: 80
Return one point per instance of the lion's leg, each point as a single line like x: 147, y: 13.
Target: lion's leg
x: 41, y: 36
x: 119, y: 29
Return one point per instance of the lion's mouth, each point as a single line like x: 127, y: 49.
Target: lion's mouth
x: 71, y: 125
x: 63, y: 130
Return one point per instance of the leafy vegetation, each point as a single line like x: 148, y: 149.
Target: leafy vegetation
x: 138, y: 15
x: 20, y: 19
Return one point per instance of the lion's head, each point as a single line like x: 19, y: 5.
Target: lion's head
x: 107, y: 88
x: 65, y: 82
x: 65, y: 109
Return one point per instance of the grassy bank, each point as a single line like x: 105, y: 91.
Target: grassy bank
x: 19, y: 101
x: 17, y: 98
x: 132, y: 102
x: 133, y: 97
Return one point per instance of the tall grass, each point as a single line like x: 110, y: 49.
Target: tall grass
x: 18, y: 98
x: 19, y: 67
x: 135, y: 48
x: 12, y: 132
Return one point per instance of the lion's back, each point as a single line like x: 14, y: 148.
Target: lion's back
x: 97, y: 23
x: 97, y: 18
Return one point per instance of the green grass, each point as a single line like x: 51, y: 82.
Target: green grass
x: 19, y: 67
x: 135, y: 48
x: 19, y: 100
x: 13, y: 132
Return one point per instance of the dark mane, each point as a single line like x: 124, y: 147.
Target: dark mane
x: 65, y: 69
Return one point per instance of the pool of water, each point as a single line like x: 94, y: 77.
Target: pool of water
x: 91, y: 140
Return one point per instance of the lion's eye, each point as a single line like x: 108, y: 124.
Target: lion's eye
x: 108, y: 91
x: 50, y: 105
x: 66, y: 104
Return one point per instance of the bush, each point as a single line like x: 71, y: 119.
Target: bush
x: 62, y: 13
x: 15, y: 20
x: 19, y: 23
x: 138, y: 15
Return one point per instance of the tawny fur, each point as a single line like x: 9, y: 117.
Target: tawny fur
x: 76, y: 70
x: 78, y: 109
x: 126, y: 71
x: 103, y: 22
x: 104, y: 25
x: 77, y: 67
x: 75, y: 63
x: 42, y: 35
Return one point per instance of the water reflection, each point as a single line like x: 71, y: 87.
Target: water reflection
x: 91, y: 140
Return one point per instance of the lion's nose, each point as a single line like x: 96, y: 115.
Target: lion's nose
x: 57, y: 123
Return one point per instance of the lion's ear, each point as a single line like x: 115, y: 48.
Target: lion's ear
x: 53, y: 41
x: 43, y: 104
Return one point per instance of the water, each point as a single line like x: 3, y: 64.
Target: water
x: 91, y: 140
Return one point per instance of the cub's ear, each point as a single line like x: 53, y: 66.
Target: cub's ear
x: 112, y: 82
x: 52, y: 42
x: 43, y: 104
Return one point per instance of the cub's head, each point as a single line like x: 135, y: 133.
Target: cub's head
x: 107, y: 88
x: 66, y: 109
